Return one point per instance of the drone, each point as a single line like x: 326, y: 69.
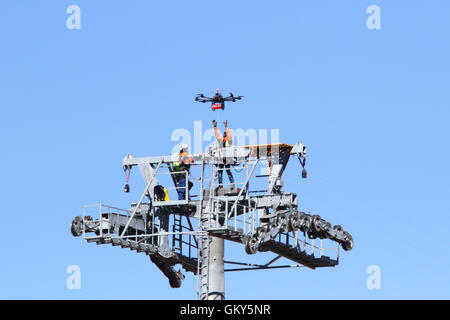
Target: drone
x: 217, y: 101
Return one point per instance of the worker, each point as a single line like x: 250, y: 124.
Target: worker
x: 161, y: 193
x: 224, y: 141
x: 183, y: 165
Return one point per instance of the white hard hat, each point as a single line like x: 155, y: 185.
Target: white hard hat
x: 183, y: 146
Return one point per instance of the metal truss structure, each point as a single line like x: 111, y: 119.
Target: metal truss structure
x: 190, y: 232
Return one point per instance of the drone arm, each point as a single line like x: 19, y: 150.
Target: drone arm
x: 203, y: 100
x: 233, y: 98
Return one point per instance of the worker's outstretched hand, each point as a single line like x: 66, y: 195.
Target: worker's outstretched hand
x: 214, y: 123
x: 225, y: 123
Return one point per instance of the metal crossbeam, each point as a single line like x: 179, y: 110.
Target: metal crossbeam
x: 243, y: 188
x: 265, y: 268
x: 140, y: 200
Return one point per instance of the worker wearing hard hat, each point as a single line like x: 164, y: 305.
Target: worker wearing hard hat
x: 183, y: 165
x: 224, y: 141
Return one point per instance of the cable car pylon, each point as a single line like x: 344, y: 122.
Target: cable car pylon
x: 191, y: 231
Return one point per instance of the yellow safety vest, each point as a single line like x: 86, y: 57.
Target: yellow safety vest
x: 176, y: 166
x: 225, y: 143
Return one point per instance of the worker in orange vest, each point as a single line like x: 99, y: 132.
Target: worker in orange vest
x: 224, y: 141
x: 183, y: 164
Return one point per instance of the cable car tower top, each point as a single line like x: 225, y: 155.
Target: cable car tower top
x: 191, y: 231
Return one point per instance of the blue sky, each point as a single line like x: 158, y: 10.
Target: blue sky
x: 372, y: 106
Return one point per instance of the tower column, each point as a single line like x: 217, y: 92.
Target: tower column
x: 216, y: 269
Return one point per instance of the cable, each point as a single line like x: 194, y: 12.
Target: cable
x: 238, y: 171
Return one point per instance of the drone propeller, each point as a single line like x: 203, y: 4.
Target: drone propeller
x: 201, y: 98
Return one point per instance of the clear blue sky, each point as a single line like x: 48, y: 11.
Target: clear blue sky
x: 372, y: 106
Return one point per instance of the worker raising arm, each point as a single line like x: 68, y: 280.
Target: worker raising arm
x: 227, y: 139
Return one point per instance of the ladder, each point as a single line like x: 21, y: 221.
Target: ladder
x: 177, y: 238
x: 204, y: 268
x: 204, y: 245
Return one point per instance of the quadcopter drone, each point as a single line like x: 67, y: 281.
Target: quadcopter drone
x: 217, y: 101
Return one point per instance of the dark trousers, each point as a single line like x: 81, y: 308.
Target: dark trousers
x: 182, y: 188
x: 227, y: 168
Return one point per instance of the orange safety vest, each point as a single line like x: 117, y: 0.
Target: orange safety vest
x: 223, y: 142
x: 184, y: 162
x: 185, y: 158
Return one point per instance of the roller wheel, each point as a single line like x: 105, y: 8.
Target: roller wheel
x: 247, y: 248
x: 338, y: 231
x: 326, y: 226
x: 261, y: 231
x: 250, y: 246
x: 347, y: 245
x: 315, y: 223
x: 294, y: 222
x: 305, y: 223
x: 282, y: 220
x: 272, y: 226
x: 76, y: 226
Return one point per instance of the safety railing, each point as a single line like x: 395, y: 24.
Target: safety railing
x: 110, y: 222
x: 231, y: 211
x: 182, y: 242
x: 107, y: 222
x: 242, y: 218
x: 176, y: 175
x: 299, y: 240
